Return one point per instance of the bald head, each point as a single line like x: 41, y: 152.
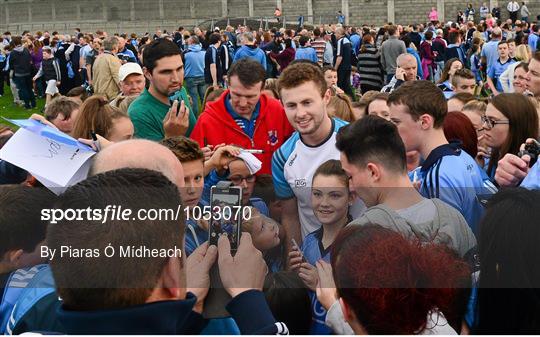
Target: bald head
x: 139, y: 153
x: 408, y: 63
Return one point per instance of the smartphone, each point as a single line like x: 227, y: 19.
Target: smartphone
x: 226, y: 209
x: 175, y: 96
x: 296, y: 247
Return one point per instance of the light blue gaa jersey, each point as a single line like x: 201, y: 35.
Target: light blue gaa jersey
x: 313, y: 251
x: 293, y: 166
x: 532, y: 180
x: 452, y: 175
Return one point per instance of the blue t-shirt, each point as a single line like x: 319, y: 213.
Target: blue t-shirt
x: 491, y: 53
x: 314, y: 251
x: 496, y: 70
x: 452, y: 175
x: 306, y: 53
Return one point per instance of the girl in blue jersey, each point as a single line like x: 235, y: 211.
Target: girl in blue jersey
x: 445, y: 83
x: 330, y: 200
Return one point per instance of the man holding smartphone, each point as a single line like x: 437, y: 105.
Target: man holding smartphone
x: 153, y: 115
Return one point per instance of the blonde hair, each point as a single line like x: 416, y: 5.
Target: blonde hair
x: 341, y: 103
x: 124, y: 103
x: 523, y: 53
x: 476, y: 106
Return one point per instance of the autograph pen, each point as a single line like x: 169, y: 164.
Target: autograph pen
x: 253, y: 151
x: 95, y: 141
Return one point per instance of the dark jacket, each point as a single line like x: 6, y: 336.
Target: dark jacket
x: 284, y: 58
x: 20, y: 61
x: 11, y: 174
x: 249, y: 310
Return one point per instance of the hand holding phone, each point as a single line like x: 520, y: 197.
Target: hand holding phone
x: 176, y: 121
x: 400, y: 74
x: 296, y: 258
x: 246, y: 271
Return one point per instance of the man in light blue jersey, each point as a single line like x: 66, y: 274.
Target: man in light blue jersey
x: 304, y: 95
x: 418, y: 109
x: 373, y: 156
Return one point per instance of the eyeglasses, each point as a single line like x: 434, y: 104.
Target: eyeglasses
x: 237, y: 180
x: 490, y: 122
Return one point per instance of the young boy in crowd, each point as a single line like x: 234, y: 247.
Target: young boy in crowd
x: 495, y: 70
x: 191, y: 157
x: 447, y: 173
x: 330, y: 76
x: 265, y: 233
x: 50, y: 71
x: 464, y: 81
x: 62, y: 112
x: 21, y: 232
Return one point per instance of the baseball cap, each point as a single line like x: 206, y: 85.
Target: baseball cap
x: 128, y: 69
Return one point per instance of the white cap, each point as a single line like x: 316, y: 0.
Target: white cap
x: 128, y: 69
x: 216, y: 29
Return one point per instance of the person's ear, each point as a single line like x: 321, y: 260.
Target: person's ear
x: 374, y: 172
x: 171, y: 276
x: 426, y: 121
x: 327, y: 96
x: 347, y: 313
x: 147, y: 73
x: 11, y: 257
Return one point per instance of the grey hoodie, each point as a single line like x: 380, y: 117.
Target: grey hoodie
x: 448, y: 228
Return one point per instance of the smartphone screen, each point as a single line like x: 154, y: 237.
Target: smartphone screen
x: 225, y: 204
x: 175, y: 96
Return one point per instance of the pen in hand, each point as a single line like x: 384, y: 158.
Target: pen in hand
x: 95, y: 141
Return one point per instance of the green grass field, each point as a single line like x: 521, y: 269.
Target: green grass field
x: 12, y: 111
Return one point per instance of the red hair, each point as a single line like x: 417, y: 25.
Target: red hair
x: 391, y: 283
x: 457, y: 126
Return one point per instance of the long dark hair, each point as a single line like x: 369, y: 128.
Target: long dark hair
x: 523, y: 118
x: 509, y: 292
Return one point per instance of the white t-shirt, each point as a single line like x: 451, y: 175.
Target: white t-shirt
x: 293, y: 166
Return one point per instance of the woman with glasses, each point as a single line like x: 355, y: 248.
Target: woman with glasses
x: 509, y: 120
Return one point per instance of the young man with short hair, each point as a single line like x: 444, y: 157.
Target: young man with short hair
x: 373, y: 156
x: 342, y: 61
x: 304, y: 94
x: 151, y: 113
x: 463, y: 80
x: 305, y: 52
x: 498, y: 68
x: 448, y: 172
x: 194, y: 62
x: 213, y: 70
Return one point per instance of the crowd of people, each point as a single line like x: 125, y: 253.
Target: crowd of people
x: 390, y: 174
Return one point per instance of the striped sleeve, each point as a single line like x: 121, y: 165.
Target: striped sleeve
x: 281, y: 186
